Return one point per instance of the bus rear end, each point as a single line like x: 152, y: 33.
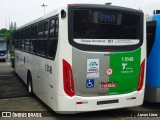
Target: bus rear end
x: 106, y: 66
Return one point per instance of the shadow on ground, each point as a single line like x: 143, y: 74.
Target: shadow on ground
x: 10, y: 84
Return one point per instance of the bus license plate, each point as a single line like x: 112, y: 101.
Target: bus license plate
x: 107, y: 102
x: 105, y: 85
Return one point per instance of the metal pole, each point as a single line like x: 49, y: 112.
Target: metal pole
x: 43, y: 5
x: 9, y: 23
x: 6, y: 23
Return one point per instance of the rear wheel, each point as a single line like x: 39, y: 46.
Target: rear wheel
x: 29, y: 84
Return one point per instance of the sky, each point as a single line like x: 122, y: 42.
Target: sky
x: 24, y: 11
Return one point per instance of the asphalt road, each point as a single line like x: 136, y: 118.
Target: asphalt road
x: 14, y: 98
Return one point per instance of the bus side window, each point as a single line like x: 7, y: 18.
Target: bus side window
x: 42, y: 38
x: 56, y: 28
x: 53, y: 38
x: 151, y: 32
x: 52, y: 28
x: 33, y: 40
x: 26, y: 38
x: 18, y: 40
x: 40, y: 30
x: 33, y: 46
x: 23, y: 43
x: 27, y: 42
x: 23, y: 39
x: 15, y: 38
x: 46, y: 30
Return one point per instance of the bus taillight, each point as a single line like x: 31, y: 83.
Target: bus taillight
x: 141, y: 76
x: 68, y: 80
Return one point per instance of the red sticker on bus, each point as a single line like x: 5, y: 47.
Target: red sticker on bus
x: 109, y: 71
x: 105, y: 85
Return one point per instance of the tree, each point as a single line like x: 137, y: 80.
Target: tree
x: 5, y: 33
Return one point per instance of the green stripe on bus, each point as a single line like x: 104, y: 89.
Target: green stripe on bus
x: 126, y: 67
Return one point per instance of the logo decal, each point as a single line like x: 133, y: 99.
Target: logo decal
x: 104, y: 85
x: 93, y: 64
x: 90, y: 83
x: 92, y: 68
x: 109, y: 71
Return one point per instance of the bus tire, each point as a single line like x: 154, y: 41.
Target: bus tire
x: 29, y: 84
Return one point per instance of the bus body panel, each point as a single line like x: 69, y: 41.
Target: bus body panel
x: 153, y: 78
x: 32, y: 68
x: 3, y: 54
x: 19, y: 64
x: 105, y: 68
x: 39, y: 76
x: 70, y: 104
x: 91, y: 103
x: 25, y: 63
x: 64, y: 52
x: 41, y: 68
x: 46, y: 69
x: 153, y: 68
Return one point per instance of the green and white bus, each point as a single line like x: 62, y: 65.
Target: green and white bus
x: 84, y: 57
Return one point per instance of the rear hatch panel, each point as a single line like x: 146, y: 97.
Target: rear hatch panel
x: 110, y: 73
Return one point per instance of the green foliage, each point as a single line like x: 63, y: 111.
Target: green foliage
x: 5, y: 33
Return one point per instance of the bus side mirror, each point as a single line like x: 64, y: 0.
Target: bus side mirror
x: 63, y: 14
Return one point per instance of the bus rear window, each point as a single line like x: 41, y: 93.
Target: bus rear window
x: 89, y: 24
x: 151, y: 32
x: 3, y: 45
x: 105, y: 29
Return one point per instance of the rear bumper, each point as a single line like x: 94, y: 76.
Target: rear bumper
x: 68, y: 105
x: 4, y: 57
